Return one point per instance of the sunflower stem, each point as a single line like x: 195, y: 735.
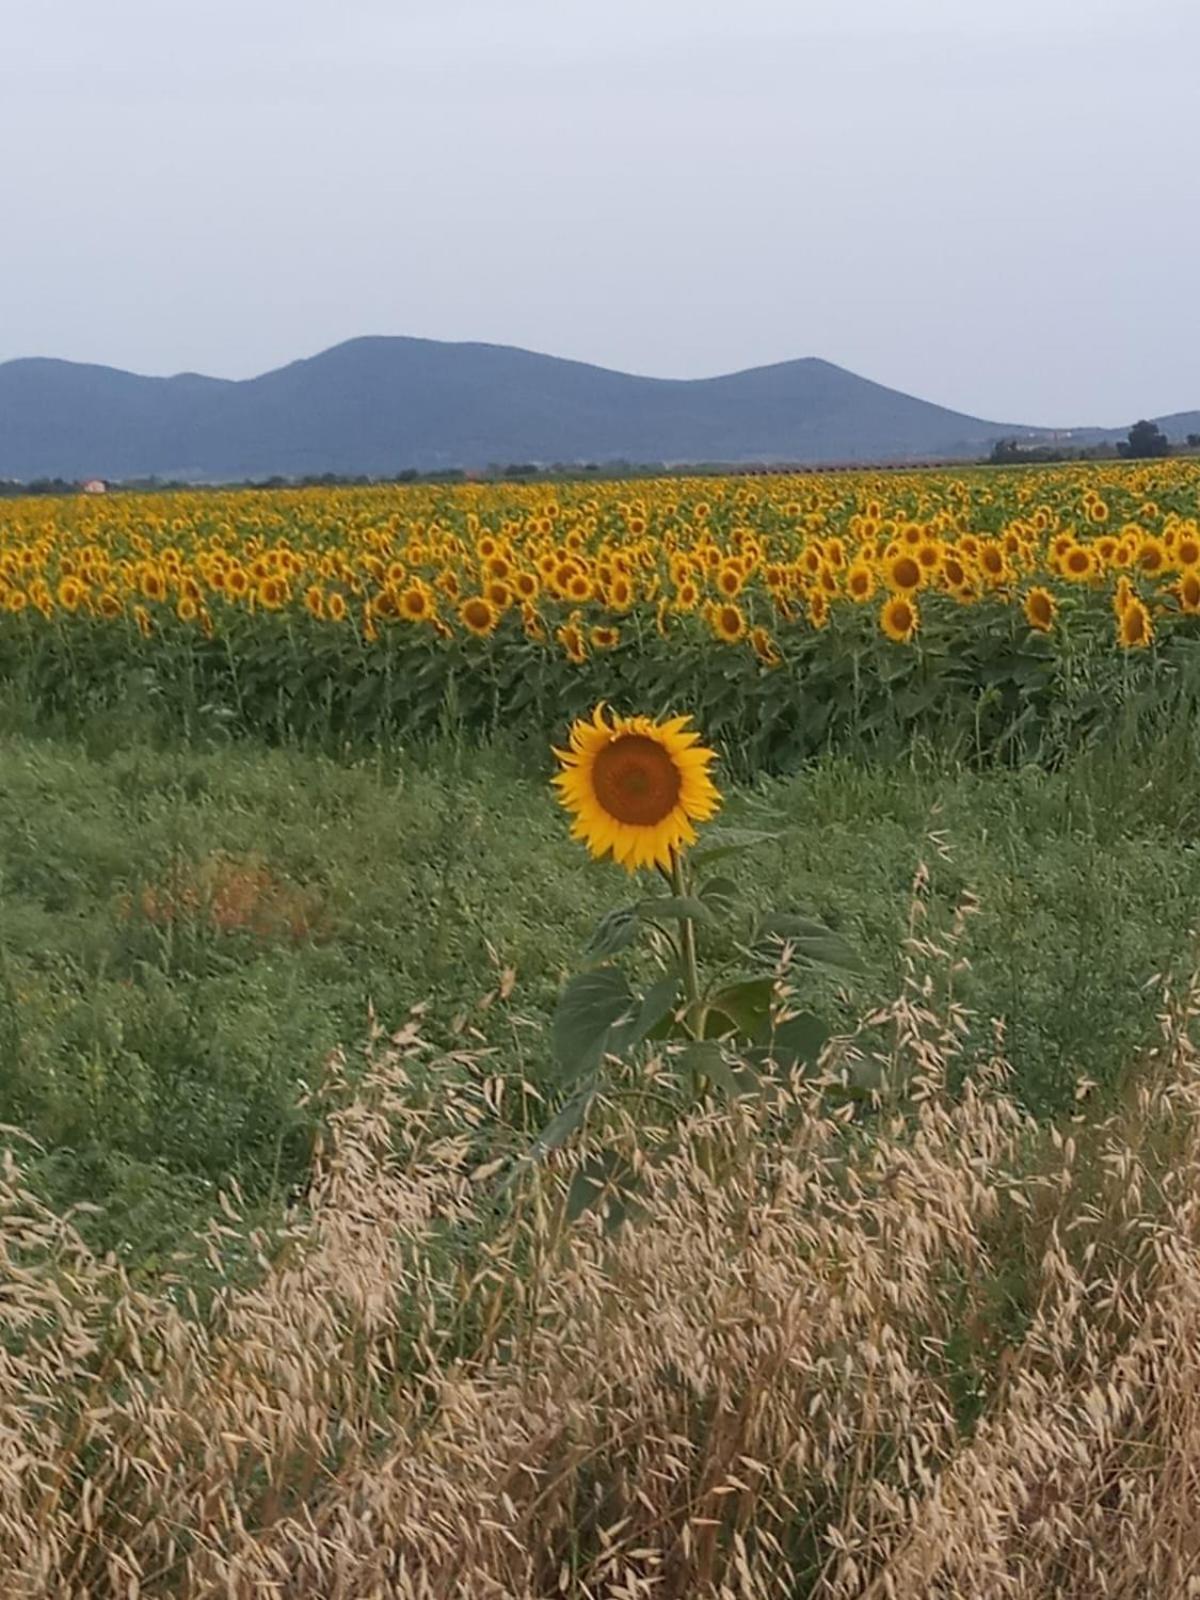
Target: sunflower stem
x: 687, y: 943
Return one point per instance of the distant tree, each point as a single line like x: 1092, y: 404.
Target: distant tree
x: 1193, y: 440
x: 1005, y: 452
x: 1146, y: 439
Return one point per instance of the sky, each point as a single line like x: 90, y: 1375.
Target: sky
x: 995, y: 205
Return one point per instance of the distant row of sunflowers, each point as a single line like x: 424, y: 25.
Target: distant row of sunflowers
x: 583, y: 569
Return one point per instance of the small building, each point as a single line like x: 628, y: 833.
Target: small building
x: 95, y: 486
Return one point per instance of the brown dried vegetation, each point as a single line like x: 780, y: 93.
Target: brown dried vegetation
x: 232, y: 894
x: 936, y: 1351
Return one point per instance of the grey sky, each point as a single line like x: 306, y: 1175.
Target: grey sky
x: 992, y: 205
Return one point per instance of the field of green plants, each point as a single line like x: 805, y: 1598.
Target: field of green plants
x: 323, y: 1274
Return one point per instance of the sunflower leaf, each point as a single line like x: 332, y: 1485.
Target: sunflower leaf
x: 563, y: 1123
x: 722, y: 842
x: 603, y: 1175
x: 743, y: 1008
x: 586, y: 1017
x: 616, y: 931
x: 798, y: 1041
x: 705, y: 1062
x: 656, y: 1006
x: 811, y: 942
x: 675, y: 908
x: 720, y: 895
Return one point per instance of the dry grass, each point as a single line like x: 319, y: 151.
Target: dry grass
x: 933, y: 1352
x: 229, y: 894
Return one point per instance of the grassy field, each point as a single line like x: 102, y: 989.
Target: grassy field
x: 186, y: 932
x: 287, y: 908
x: 947, y: 1350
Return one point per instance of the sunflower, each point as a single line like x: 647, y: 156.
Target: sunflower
x: 1189, y: 592
x: 860, y: 582
x: 904, y: 573
x: 620, y: 593
x: 1135, y: 630
x: 993, y: 563
x: 570, y: 636
x: 478, y: 616
x: 532, y: 624
x: 605, y: 638
x: 929, y: 555
x: 416, y: 604
x: 899, y: 618
x: 954, y: 571
x: 818, y: 608
x: 70, y: 594
x: 337, y: 607
x: 1079, y: 564
x: 636, y: 787
x: 1152, y: 556
x: 727, y: 622
x: 730, y: 580
x: 764, y: 647
x: 1040, y: 609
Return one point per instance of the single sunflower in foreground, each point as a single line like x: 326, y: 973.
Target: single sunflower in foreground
x: 636, y: 787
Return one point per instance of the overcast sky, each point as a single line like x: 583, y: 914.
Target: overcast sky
x: 995, y: 206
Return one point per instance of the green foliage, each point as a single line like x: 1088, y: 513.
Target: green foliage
x: 977, y: 683
x: 155, y: 1062
x: 1146, y: 440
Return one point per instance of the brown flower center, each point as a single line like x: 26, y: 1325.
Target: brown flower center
x: 636, y: 781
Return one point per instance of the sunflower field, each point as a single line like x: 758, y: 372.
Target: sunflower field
x: 1008, y: 613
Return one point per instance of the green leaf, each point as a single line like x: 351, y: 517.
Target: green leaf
x: 606, y: 1176
x: 720, y: 895
x: 588, y: 1010
x: 745, y: 1006
x: 705, y: 1061
x: 811, y: 941
x: 657, y: 1005
x: 615, y: 932
x: 722, y: 842
x: 798, y: 1041
x: 564, y: 1123
x: 674, y: 908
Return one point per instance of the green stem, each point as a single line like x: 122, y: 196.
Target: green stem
x: 687, y: 945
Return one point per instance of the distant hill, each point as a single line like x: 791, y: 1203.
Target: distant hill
x: 378, y: 405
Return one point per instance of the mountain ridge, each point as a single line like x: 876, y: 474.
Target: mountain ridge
x: 378, y: 404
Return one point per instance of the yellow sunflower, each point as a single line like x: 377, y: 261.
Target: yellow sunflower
x: 1135, y: 629
x: 478, y: 615
x: 1040, y: 609
x: 860, y: 582
x: 727, y: 622
x: 765, y: 649
x: 636, y: 787
x: 899, y: 618
x: 904, y: 573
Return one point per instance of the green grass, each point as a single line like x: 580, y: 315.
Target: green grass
x: 155, y: 1059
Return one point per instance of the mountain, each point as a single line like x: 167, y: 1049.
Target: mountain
x: 378, y: 405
